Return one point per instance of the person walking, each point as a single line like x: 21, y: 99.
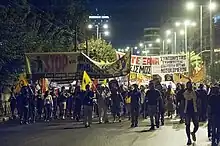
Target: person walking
x: 214, y: 101
x: 62, y: 100
x: 88, y: 106
x: 203, y: 102
x: 135, y: 105
x: 152, y: 97
x: 170, y: 95
x: 191, y: 111
x: 48, y: 104
x: 77, y: 104
x: 13, y: 103
x: 180, y: 102
x: 117, y: 100
x: 102, y: 105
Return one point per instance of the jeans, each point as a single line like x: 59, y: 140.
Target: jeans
x: 88, y: 114
x: 215, y: 130
x: 195, y: 120
x: 134, y: 115
x: 153, y: 113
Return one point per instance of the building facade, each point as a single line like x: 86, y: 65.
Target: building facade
x: 151, y: 41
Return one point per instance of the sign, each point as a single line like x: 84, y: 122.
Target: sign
x: 52, y: 64
x: 142, y: 64
x: 164, y: 64
x: 173, y: 64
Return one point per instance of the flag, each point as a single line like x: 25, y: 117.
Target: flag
x: 44, y: 85
x: 28, y: 66
x: 104, y: 82
x: 180, y: 78
x: 85, y: 81
x: 22, y: 81
x: 199, y: 76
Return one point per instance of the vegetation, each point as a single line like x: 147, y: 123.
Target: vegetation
x: 99, y: 50
x: 27, y: 28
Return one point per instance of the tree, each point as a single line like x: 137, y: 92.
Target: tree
x: 99, y: 50
x: 25, y: 28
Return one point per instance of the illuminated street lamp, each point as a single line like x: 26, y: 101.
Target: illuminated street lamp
x: 138, y: 52
x: 150, y: 45
x: 105, y: 26
x: 157, y: 40
x: 212, y: 6
x: 168, y: 32
x: 169, y: 41
x: 182, y: 32
x: 135, y: 47
x: 106, y: 33
x: 141, y: 45
x: 177, y: 24
x: 90, y: 26
x: 190, y: 5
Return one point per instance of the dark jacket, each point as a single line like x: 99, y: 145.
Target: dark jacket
x: 88, y: 98
x: 214, y: 102
x: 153, y: 97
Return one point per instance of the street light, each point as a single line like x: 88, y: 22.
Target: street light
x: 169, y: 41
x: 168, y: 32
x: 105, y: 26
x: 90, y: 26
x: 177, y: 24
x: 190, y: 5
x: 149, y: 45
x: 141, y: 45
x: 212, y: 6
x: 106, y: 33
x: 138, y: 52
x: 157, y: 40
x: 135, y: 47
x: 182, y: 32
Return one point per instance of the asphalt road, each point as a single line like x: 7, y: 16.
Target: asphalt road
x: 68, y: 133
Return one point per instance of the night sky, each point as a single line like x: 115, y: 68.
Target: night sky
x: 130, y: 17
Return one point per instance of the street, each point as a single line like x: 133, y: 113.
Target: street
x: 68, y: 133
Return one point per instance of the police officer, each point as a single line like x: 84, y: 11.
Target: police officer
x: 135, y: 105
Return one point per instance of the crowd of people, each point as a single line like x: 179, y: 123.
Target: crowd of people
x: 189, y: 103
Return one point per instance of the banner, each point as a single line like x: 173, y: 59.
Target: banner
x: 71, y: 65
x: 173, y: 64
x: 143, y: 64
x: 52, y: 64
x: 199, y: 76
x: 164, y: 64
x: 180, y: 78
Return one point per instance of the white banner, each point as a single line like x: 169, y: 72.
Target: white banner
x: 164, y: 64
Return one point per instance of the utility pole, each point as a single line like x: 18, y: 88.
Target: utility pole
x: 201, y: 28
x: 211, y: 42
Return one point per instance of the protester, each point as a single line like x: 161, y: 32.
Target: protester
x: 48, y: 104
x: 77, y: 103
x: 62, y: 99
x: 88, y: 106
x: 202, y: 103
x: 191, y: 111
x: 180, y: 102
x: 170, y: 101
x: 135, y: 105
x: 117, y: 101
x: 153, y: 95
x: 214, y: 101
x: 12, y: 101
